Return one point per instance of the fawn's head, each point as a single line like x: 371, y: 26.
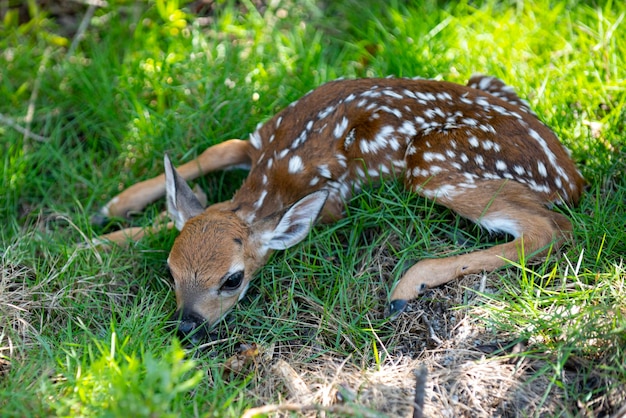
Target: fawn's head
x: 218, y: 251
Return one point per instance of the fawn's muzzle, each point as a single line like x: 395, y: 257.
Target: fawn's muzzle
x: 191, y: 326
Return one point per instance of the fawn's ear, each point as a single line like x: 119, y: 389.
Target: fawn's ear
x: 182, y: 204
x: 286, y: 229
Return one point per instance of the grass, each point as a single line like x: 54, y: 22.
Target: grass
x: 84, y: 332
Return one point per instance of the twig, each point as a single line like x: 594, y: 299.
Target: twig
x: 11, y: 123
x: 266, y: 409
x: 98, y: 3
x: 621, y: 413
x: 420, y: 391
x: 81, y: 29
x: 30, y: 111
x: 293, y: 382
x: 431, y: 331
x: 341, y: 410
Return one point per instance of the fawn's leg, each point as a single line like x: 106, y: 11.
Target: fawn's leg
x: 223, y: 155
x: 217, y: 157
x: 497, y: 205
x: 123, y: 236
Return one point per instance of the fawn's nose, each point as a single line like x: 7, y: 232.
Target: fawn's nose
x: 191, y: 326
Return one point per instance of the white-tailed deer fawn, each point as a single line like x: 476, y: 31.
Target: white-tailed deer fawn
x: 476, y: 149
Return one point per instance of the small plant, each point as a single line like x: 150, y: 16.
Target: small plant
x: 113, y: 381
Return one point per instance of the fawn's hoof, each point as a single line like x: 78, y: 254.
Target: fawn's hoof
x: 396, y: 307
x: 99, y: 219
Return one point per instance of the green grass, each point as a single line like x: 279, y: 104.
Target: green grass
x: 86, y: 333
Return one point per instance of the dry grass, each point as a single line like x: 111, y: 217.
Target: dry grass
x: 19, y: 302
x: 32, y: 303
x: 471, y: 372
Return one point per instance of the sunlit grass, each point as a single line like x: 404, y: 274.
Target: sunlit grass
x: 85, y: 333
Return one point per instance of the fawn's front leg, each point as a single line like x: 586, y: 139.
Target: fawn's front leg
x: 221, y: 156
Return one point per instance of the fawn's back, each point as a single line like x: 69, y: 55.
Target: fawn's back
x: 440, y: 136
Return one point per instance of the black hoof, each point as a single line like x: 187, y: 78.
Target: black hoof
x: 396, y: 307
x: 99, y: 220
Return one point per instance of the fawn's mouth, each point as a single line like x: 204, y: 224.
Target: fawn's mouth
x: 191, y: 327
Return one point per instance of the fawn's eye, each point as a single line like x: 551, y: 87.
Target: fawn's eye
x: 232, y: 282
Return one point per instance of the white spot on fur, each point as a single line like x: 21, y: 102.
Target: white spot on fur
x: 407, y: 128
x: 259, y: 202
x: 419, y: 172
x: 349, y: 138
x: 340, y: 129
x: 558, y: 182
x: 484, y: 83
x: 295, y: 164
x: 444, y: 96
x: 342, y: 160
x: 435, y: 169
x: 445, y: 190
x: 325, y: 112
x: 551, y: 157
x: 282, y: 154
x: 542, y: 169
x: 408, y: 93
x: 255, y: 140
x: 399, y: 164
x: 426, y: 96
x: 394, y: 112
x: 392, y: 94
x: 324, y: 171
x: 499, y: 222
x: 433, y: 156
x: 482, y: 102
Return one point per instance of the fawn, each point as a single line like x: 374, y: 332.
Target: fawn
x: 477, y: 149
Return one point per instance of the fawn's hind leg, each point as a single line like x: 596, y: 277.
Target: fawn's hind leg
x: 497, y: 205
x: 217, y: 157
